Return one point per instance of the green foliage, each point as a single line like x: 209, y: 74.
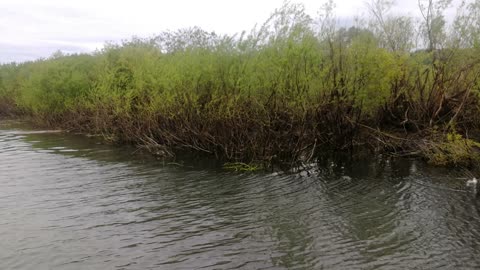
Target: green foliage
x: 453, y: 149
x: 267, y: 94
x: 55, y: 85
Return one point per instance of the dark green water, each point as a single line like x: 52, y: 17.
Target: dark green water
x: 68, y: 202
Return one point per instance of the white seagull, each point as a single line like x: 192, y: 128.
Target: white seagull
x: 472, y: 182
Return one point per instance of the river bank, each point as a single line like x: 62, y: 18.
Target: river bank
x: 450, y: 150
x: 284, y: 93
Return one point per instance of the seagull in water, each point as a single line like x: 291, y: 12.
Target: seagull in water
x: 472, y: 182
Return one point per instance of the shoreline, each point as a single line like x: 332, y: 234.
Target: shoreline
x: 450, y: 150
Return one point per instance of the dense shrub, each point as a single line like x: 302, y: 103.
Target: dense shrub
x: 285, y: 91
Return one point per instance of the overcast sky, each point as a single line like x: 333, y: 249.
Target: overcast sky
x: 31, y: 29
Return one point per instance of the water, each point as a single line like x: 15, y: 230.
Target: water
x: 69, y: 202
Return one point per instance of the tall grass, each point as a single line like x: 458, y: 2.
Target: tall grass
x: 285, y: 91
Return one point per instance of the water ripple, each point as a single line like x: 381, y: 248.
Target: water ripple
x: 68, y: 202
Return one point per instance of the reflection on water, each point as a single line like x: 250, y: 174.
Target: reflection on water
x: 70, y: 202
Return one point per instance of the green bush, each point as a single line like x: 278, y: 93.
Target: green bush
x: 276, y: 92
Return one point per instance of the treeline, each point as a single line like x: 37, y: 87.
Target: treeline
x: 292, y: 88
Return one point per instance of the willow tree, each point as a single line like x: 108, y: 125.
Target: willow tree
x: 466, y: 25
x: 394, y: 32
x: 434, y: 23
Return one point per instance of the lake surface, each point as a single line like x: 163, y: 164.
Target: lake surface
x: 70, y: 202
